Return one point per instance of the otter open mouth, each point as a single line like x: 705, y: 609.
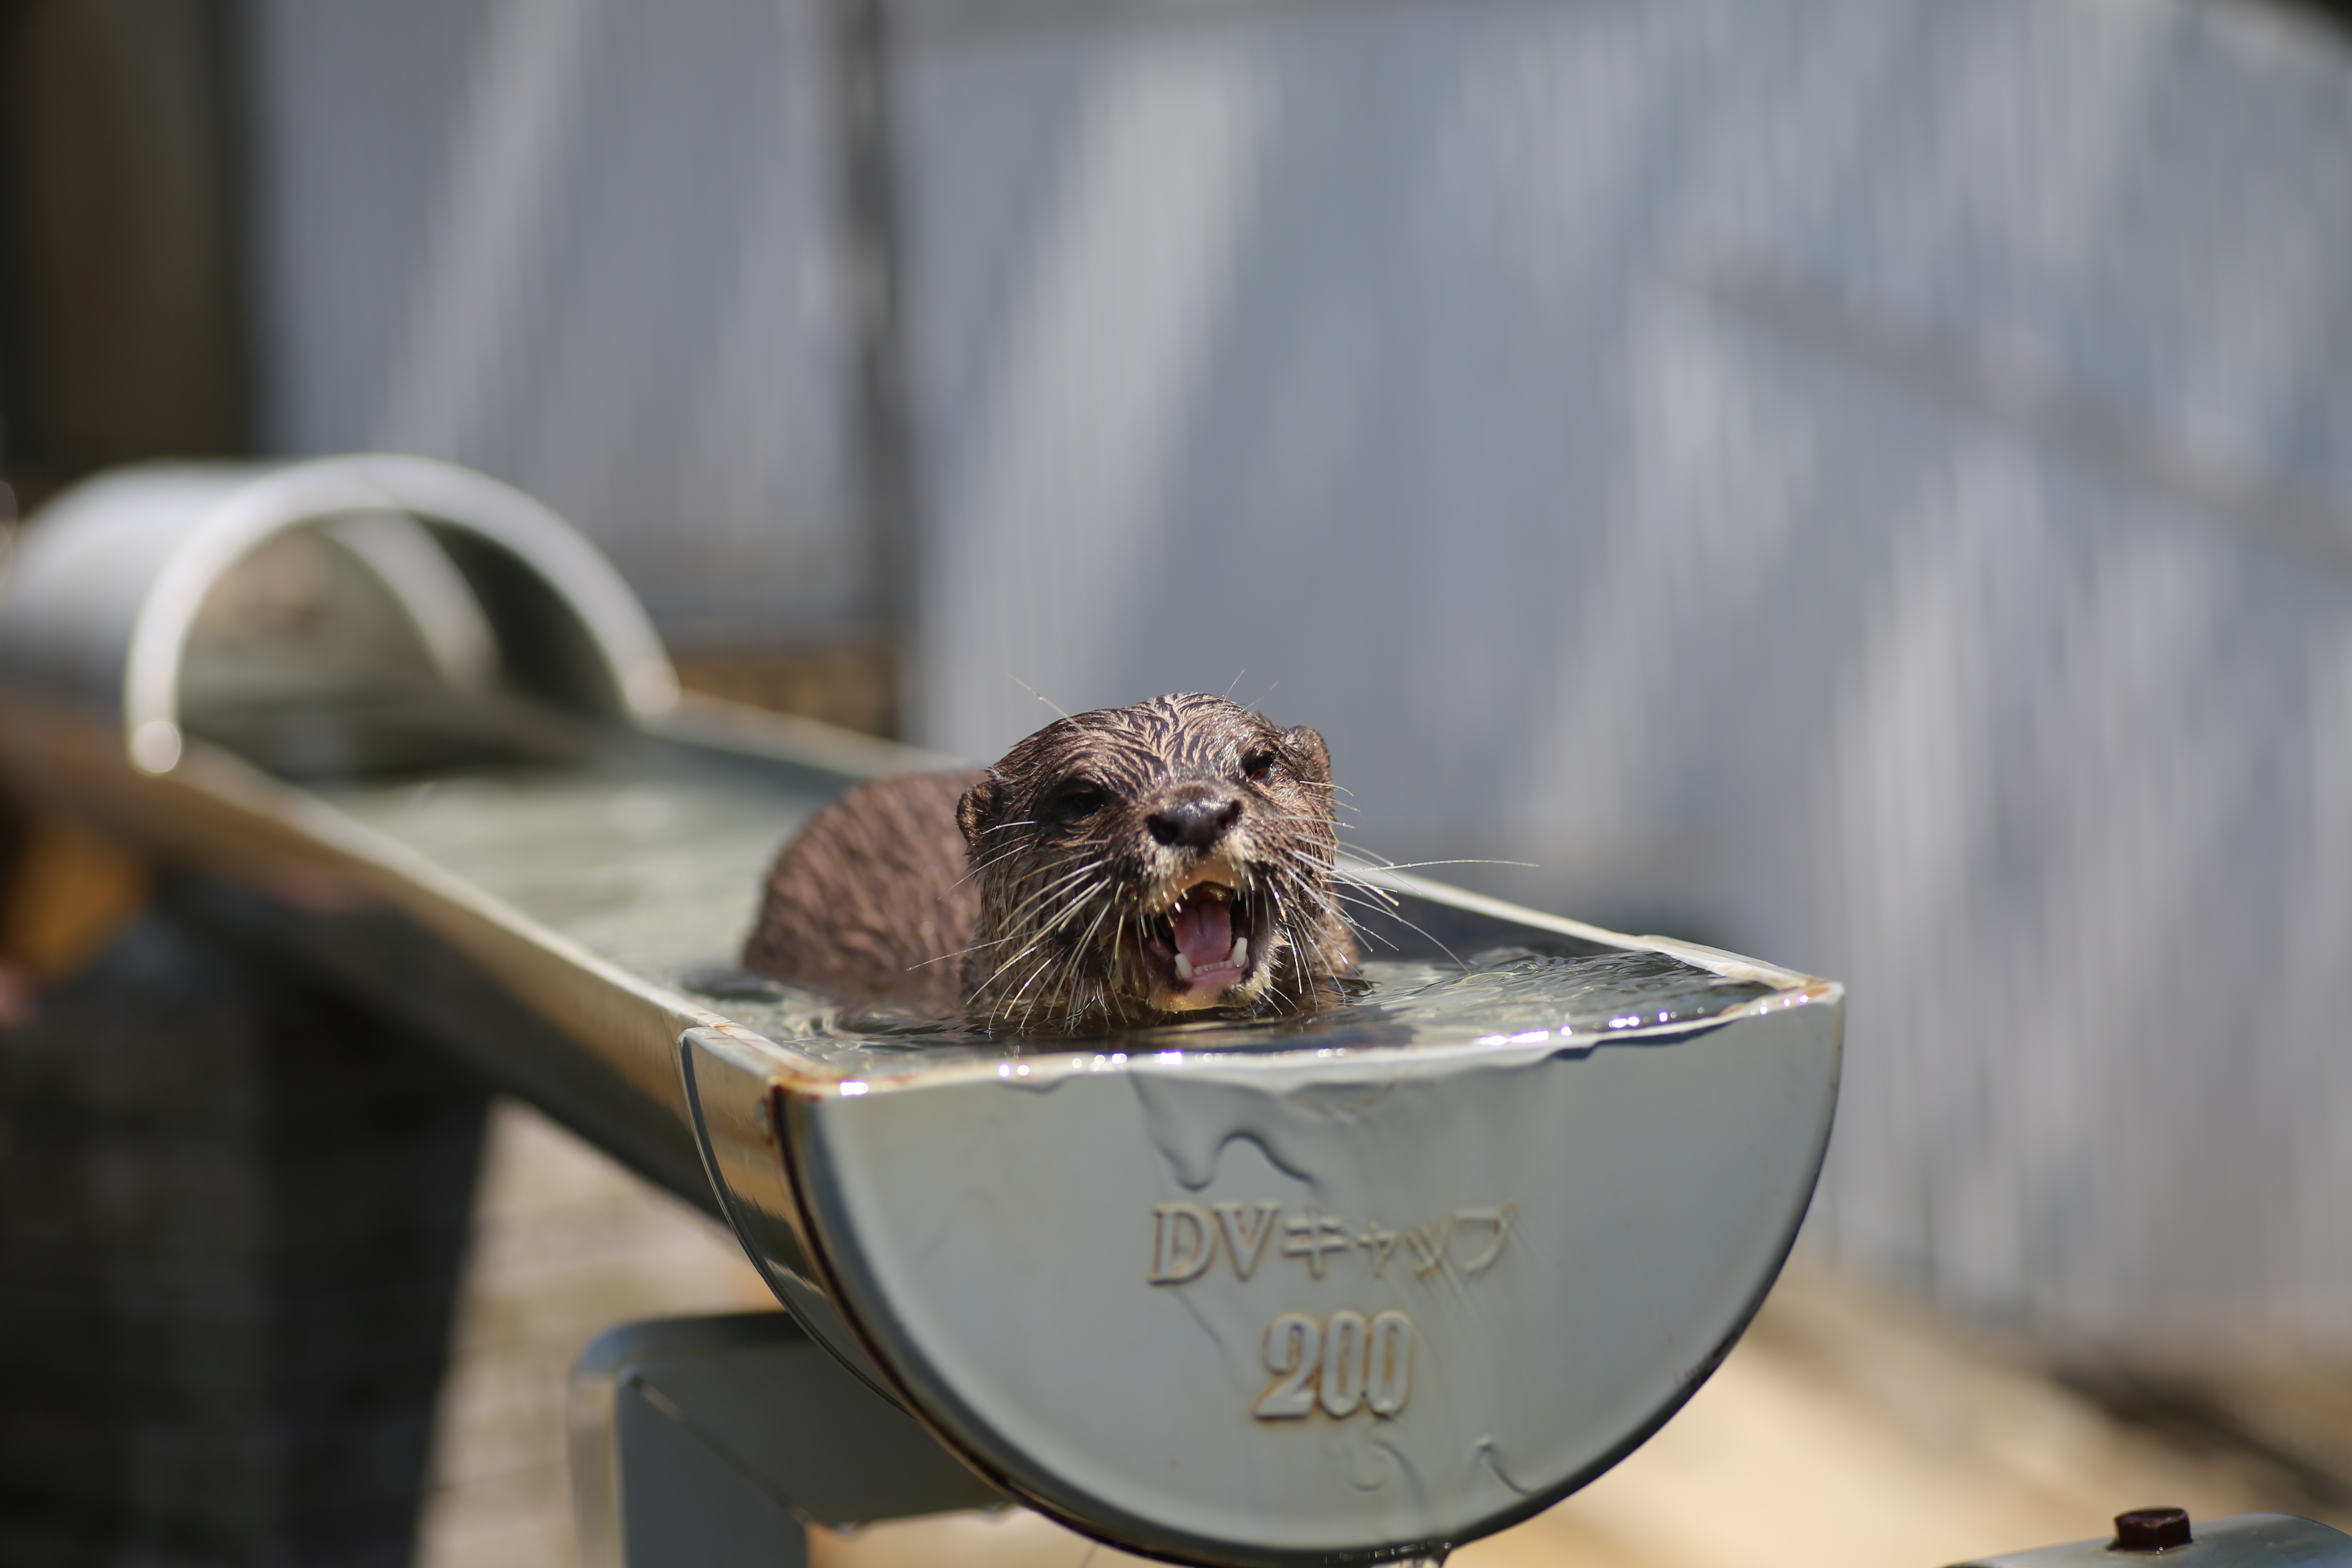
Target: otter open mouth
x: 1205, y: 942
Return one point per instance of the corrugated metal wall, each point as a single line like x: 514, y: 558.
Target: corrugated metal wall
x: 1865, y: 482
x: 586, y: 247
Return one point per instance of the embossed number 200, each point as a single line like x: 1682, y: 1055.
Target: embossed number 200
x: 1342, y: 1363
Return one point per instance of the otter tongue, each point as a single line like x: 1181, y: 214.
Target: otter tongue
x: 1204, y: 930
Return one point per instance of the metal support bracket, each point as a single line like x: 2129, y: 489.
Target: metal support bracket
x: 716, y: 1442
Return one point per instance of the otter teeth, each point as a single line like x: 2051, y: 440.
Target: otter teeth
x: 1238, y: 958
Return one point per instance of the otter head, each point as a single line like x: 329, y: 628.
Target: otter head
x: 1160, y: 858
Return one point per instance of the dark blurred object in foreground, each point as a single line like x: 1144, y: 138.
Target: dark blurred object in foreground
x: 232, y: 1213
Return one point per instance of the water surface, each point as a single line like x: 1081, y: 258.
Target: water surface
x: 655, y: 863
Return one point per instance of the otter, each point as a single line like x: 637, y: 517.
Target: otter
x: 1121, y: 867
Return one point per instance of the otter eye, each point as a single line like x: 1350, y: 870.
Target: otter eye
x: 1258, y: 766
x: 1080, y: 799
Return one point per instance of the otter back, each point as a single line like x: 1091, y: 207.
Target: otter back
x: 870, y: 900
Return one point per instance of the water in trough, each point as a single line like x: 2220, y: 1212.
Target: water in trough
x: 654, y: 860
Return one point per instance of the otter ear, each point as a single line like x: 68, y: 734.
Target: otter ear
x: 1306, y: 749
x: 972, y: 812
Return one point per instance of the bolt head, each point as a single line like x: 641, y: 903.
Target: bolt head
x: 2151, y: 1529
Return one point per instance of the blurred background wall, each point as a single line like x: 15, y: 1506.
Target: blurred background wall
x: 1860, y: 482
x: 587, y: 246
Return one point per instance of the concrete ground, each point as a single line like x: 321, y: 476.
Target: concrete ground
x: 1848, y: 1430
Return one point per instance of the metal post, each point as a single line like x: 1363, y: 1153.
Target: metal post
x: 871, y: 255
x: 716, y: 1442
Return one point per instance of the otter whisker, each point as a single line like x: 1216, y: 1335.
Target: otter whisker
x: 1324, y: 873
x: 1076, y: 883
x: 1417, y: 930
x: 1019, y: 991
x: 1072, y: 960
x: 1339, y: 893
x: 1035, y: 943
x: 1046, y: 928
x: 1037, y: 694
x: 1308, y: 889
x: 1417, y: 865
x: 1307, y: 973
x: 1024, y: 991
x: 991, y: 863
x: 1021, y: 913
x: 1068, y: 980
x: 1335, y: 869
x: 1332, y: 901
x: 1365, y: 895
x: 1302, y: 958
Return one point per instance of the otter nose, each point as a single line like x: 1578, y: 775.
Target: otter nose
x: 1195, y: 824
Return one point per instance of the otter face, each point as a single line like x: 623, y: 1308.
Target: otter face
x: 1159, y: 859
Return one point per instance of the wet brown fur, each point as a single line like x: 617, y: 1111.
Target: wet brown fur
x: 1053, y: 874
x: 869, y: 900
